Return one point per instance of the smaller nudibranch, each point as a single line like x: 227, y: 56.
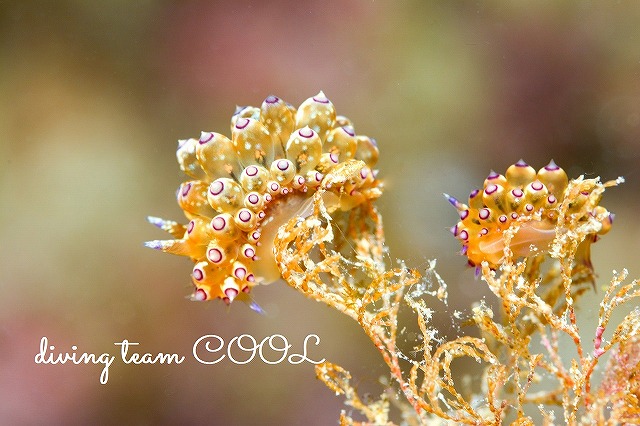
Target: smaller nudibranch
x: 529, y: 199
x: 243, y: 188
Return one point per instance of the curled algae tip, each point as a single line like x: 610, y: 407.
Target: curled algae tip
x: 526, y: 197
x: 242, y: 188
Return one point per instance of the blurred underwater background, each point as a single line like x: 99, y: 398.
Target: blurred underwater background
x: 95, y: 95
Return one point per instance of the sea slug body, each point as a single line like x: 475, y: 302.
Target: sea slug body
x: 522, y: 197
x: 243, y: 188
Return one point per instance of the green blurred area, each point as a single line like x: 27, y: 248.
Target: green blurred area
x: 94, y: 96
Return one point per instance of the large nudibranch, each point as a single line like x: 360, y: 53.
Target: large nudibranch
x: 244, y: 188
x: 529, y: 200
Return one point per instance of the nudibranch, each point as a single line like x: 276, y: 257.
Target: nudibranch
x: 242, y: 189
x: 529, y: 200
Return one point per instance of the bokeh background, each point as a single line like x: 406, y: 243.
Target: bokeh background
x: 94, y: 96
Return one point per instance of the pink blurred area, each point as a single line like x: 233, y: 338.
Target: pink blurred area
x: 93, y: 98
x: 218, y: 48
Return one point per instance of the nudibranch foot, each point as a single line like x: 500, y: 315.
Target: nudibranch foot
x: 525, y: 206
x: 242, y: 189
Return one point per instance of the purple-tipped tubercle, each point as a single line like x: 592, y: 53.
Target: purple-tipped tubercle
x: 199, y: 295
x: 205, y: 137
x: 552, y: 166
x: 321, y: 98
x: 493, y: 175
x: 242, y: 123
x: 491, y: 189
x: 231, y: 294
x: 239, y: 109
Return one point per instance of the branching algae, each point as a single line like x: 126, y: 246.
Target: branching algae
x: 292, y: 194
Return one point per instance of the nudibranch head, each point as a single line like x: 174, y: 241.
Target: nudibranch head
x: 531, y: 202
x: 243, y: 188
